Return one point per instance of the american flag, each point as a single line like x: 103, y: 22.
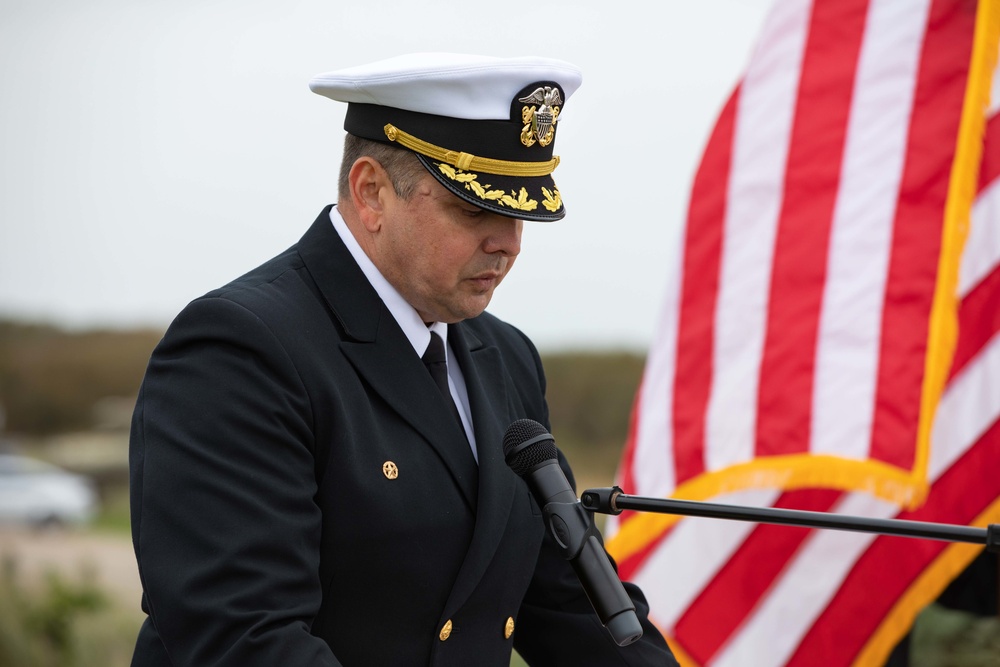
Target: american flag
x: 828, y: 341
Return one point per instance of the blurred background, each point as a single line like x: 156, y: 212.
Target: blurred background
x: 153, y: 151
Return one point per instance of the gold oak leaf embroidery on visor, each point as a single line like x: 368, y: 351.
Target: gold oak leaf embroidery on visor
x: 553, y: 200
x: 519, y: 201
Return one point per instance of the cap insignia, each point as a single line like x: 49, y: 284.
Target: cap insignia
x: 539, y: 122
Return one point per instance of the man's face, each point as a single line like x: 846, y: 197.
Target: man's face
x: 443, y: 255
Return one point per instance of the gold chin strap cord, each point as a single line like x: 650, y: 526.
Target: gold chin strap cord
x: 467, y: 162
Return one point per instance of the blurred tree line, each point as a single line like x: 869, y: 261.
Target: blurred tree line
x: 51, y: 381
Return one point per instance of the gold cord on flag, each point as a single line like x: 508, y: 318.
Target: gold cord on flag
x: 943, y: 326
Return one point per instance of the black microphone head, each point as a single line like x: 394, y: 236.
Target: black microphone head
x: 527, y: 444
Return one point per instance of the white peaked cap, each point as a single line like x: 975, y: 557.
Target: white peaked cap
x: 483, y: 127
x: 445, y: 84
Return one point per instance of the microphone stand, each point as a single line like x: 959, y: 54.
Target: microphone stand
x: 613, y: 501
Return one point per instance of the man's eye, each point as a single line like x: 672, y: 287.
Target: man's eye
x: 472, y: 212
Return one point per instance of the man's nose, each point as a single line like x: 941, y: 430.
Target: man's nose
x: 504, y: 236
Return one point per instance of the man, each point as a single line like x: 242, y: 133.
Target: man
x: 303, y: 492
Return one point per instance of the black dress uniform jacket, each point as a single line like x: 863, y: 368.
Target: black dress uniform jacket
x: 269, y: 525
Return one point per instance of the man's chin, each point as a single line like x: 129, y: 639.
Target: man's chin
x: 471, y: 308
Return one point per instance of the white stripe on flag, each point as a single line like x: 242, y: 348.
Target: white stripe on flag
x: 984, y: 235
x: 765, y: 110
x: 803, y: 591
x: 969, y: 406
x: 847, y: 361
x: 984, y: 239
x: 653, y: 465
x: 675, y: 568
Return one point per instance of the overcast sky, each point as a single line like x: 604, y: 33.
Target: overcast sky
x: 151, y: 151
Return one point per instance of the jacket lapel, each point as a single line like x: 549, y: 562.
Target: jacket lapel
x: 381, y: 354
x: 372, y: 341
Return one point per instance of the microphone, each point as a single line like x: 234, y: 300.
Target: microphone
x: 531, y: 453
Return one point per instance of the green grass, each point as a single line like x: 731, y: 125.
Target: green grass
x: 61, y: 622
x: 947, y: 638
x: 114, y: 513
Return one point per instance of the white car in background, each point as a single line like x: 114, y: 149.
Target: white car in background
x: 37, y: 493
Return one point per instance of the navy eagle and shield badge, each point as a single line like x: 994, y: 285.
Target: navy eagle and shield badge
x: 539, y: 121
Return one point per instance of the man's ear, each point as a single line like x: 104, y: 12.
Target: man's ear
x: 369, y: 184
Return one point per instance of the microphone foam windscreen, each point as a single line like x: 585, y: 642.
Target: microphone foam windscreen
x: 527, y: 444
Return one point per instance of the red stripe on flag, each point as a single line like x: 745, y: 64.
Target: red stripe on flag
x: 892, y: 564
x: 815, y: 155
x: 979, y: 313
x: 627, y: 480
x: 937, y: 108
x: 989, y: 168
x: 980, y: 318
x: 699, y: 292
x: 627, y: 567
x: 717, y: 612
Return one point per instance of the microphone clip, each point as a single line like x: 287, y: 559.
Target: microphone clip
x: 570, y: 526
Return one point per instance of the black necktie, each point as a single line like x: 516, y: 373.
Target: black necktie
x: 435, y: 361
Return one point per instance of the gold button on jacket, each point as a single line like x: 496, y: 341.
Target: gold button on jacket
x: 508, y: 628
x: 445, y: 630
